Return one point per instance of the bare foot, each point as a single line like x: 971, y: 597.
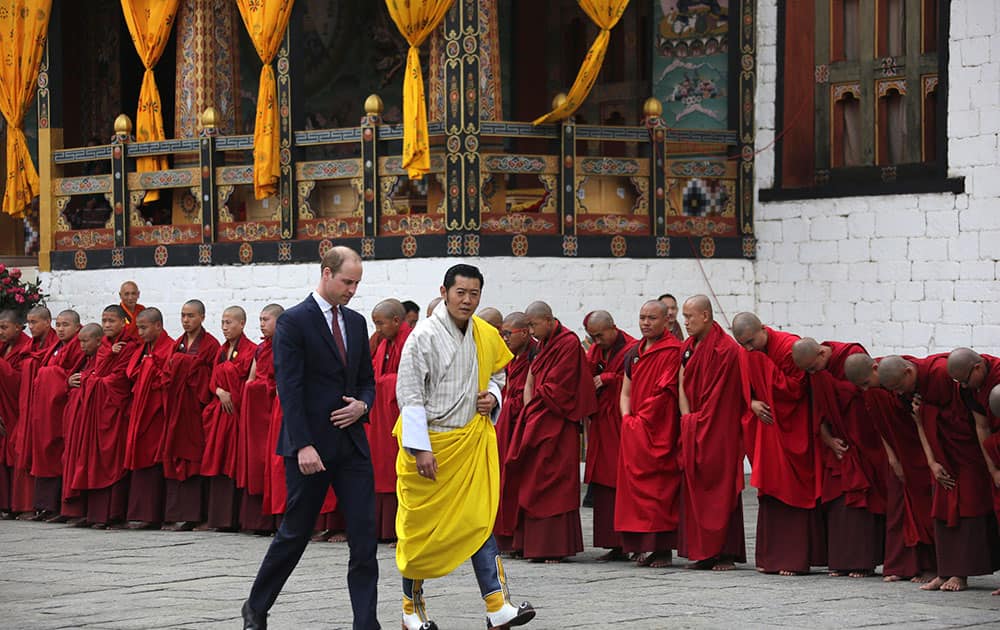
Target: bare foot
x: 837, y: 573
x: 996, y: 592
x: 923, y: 578
x: 894, y: 578
x: 724, y: 565
x: 955, y: 584
x: 861, y: 574
x: 789, y: 573
x: 321, y: 536
x: 337, y: 538
x: 655, y: 560
x: 612, y: 555
x: 553, y: 560
x: 933, y: 585
x: 202, y: 527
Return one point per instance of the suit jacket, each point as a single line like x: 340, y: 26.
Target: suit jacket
x: 312, y: 379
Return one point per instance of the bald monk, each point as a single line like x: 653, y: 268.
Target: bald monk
x: 977, y: 375
x: 992, y: 448
x: 712, y: 407
x: 15, y: 347
x: 74, y: 503
x: 189, y: 374
x: 146, y: 421
x: 43, y: 337
x: 782, y: 450
x: 432, y: 305
x: 492, y: 316
x: 647, y: 501
x: 673, y: 326
x: 45, y: 417
x: 852, y: 457
x: 514, y: 332
x: 129, y: 294
x: 558, y: 395
x: 253, y: 452
x: 221, y: 418
x: 909, y: 530
x: 98, y: 470
x: 389, y: 317
x: 606, y: 358
x: 962, y: 505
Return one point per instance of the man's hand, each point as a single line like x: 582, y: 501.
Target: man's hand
x: 118, y: 347
x: 349, y: 414
x: 427, y: 465
x: 915, y: 406
x: 226, y: 399
x: 598, y: 383
x: 74, y: 380
x: 897, y: 469
x: 838, y: 446
x: 309, y: 461
x: 485, y: 402
x: 947, y: 481
x: 762, y: 411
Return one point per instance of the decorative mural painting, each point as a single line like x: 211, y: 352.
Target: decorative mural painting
x: 691, y: 62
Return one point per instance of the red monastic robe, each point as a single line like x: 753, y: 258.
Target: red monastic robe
x: 49, y: 403
x: 22, y: 438
x: 255, y: 419
x: 711, y: 449
x: 545, y: 456
x: 230, y: 374
x: 275, y: 491
x: 106, y: 393
x: 147, y: 419
x: 508, y: 424
x: 606, y: 425
x: 130, y: 324
x: 12, y: 356
x: 188, y: 373
x: 73, y: 427
x: 649, y: 478
x: 859, y: 476
x: 385, y: 411
x: 980, y: 402
x: 783, y: 453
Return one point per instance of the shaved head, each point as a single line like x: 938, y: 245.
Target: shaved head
x: 658, y: 305
x: 197, y: 305
x: 389, y: 308
x: 129, y: 285
x: 40, y: 311
x: 859, y: 369
x: 700, y: 303
x: 896, y: 373
x: 745, y: 324
x: 116, y: 310
x: 432, y: 305
x: 151, y: 315
x: 967, y: 368
x: 492, y: 316
x: 236, y: 312
x: 539, y: 309
x: 804, y: 351
x: 273, y: 309
x: 541, y: 322
x: 995, y: 400
x: 11, y: 316
x: 517, y: 319
x: 92, y: 330
x: 71, y: 315
x: 598, y: 320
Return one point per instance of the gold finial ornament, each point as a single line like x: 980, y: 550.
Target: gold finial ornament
x: 209, y: 118
x: 558, y: 100
x: 652, y: 108
x: 123, y: 125
x: 374, y: 105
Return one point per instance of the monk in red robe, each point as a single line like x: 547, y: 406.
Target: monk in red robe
x: 43, y: 338
x: 606, y: 358
x: 647, y: 502
x: 220, y: 420
x: 992, y: 445
x: 964, y: 525
x: 74, y: 503
x: 129, y: 294
x: 673, y: 326
x: 98, y: 468
x: 711, y: 450
x: 558, y: 395
x: 492, y: 316
x: 45, y: 416
x: 514, y: 331
x: 909, y: 527
x: 15, y: 348
x: 146, y: 422
x: 255, y: 418
x: 389, y: 318
x: 275, y: 492
x: 188, y: 373
x: 853, y: 459
x: 783, y: 453
x: 977, y: 375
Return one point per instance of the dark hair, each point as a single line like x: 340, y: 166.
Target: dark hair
x: 466, y: 271
x: 410, y: 306
x: 198, y: 305
x: 117, y: 310
x: 667, y: 295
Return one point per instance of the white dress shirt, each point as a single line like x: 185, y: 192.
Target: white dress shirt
x: 327, y: 309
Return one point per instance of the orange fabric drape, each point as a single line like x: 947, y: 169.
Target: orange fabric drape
x: 604, y: 13
x: 266, y: 21
x: 416, y: 20
x: 149, y: 23
x: 23, y: 26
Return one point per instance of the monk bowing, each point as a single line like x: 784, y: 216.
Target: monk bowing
x: 962, y: 505
x: 558, y: 395
x: 909, y: 527
x: 220, y: 420
x: 188, y: 372
x: 711, y: 452
x: 45, y: 417
x: 255, y: 418
x: 129, y: 294
x: 389, y: 318
x: 146, y: 421
x: 649, y: 479
x: 606, y: 358
x: 492, y: 317
x: 15, y: 347
x: 782, y: 450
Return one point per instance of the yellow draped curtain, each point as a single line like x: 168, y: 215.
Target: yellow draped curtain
x: 416, y: 20
x: 23, y: 26
x: 149, y: 23
x: 266, y: 21
x: 605, y: 14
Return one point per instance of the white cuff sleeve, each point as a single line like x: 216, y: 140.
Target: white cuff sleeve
x: 415, y: 435
x: 494, y: 388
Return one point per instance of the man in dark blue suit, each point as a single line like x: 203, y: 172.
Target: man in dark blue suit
x: 323, y: 369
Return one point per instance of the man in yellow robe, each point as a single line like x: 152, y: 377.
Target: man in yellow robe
x: 448, y: 475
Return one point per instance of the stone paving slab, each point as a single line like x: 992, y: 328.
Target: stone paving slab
x: 53, y: 577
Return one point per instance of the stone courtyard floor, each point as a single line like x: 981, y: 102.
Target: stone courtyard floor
x: 52, y: 576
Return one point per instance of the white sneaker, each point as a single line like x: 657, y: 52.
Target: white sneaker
x: 413, y: 622
x: 509, y: 616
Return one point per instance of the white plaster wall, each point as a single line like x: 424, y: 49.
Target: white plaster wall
x: 913, y: 273
x: 572, y: 286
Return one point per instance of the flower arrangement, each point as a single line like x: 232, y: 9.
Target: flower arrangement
x: 17, y: 295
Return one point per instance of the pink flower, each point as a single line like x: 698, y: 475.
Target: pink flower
x: 6, y: 281
x: 19, y: 299
x: 3, y: 267
x: 15, y: 274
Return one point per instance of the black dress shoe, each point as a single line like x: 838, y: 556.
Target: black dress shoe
x: 252, y: 620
